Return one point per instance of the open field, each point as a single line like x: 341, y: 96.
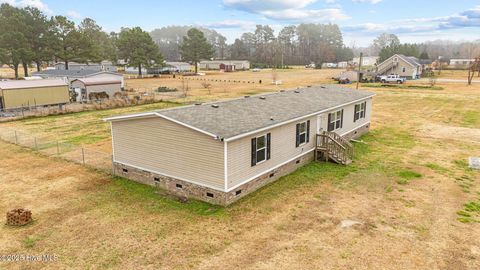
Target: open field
x: 409, y: 186
x: 225, y: 85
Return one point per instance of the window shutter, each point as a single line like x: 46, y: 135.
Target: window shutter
x: 308, y: 131
x: 331, y: 126
x: 341, y: 120
x: 254, y: 151
x: 297, y: 136
x: 268, y: 145
x: 365, y: 110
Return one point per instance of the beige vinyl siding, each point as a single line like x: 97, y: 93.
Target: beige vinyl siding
x: 110, y: 89
x: 410, y: 71
x: 348, y: 116
x: 283, y: 148
x: 164, y: 147
x: 17, y: 98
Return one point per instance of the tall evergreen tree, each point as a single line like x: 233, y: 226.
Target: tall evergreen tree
x: 137, y: 48
x: 195, y: 47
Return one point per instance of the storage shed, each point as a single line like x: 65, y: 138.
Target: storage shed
x: 95, y: 88
x: 33, y: 93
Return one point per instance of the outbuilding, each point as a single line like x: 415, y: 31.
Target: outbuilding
x: 95, y: 88
x: 70, y: 75
x: 222, y: 151
x: 33, y: 93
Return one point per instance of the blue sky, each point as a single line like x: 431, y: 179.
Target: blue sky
x: 360, y: 20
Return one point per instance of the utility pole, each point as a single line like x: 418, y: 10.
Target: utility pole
x: 359, y: 69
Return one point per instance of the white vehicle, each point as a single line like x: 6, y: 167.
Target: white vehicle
x: 392, y: 78
x: 256, y: 70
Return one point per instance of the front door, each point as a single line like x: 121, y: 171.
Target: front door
x: 319, y: 124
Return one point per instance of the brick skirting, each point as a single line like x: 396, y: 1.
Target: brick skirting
x: 186, y: 189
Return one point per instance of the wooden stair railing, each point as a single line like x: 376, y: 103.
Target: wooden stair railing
x: 335, y: 147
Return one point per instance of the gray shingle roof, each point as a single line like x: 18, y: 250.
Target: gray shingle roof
x: 70, y: 73
x: 410, y: 59
x: 239, y: 116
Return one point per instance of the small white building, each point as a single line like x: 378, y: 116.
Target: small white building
x: 84, y: 87
x: 366, y: 60
x: 178, y: 66
x: 461, y: 62
x: 69, y: 75
x: 102, y: 66
x: 218, y: 64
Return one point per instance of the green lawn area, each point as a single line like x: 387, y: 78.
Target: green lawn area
x: 79, y: 128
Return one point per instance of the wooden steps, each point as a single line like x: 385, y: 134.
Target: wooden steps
x: 331, y: 146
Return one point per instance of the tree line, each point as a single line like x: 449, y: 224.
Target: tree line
x: 27, y: 36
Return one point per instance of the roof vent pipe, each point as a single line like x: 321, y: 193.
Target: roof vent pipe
x: 263, y: 98
x: 215, y: 106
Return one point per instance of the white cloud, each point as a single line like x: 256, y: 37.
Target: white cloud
x: 466, y: 19
x: 288, y: 10
x: 29, y: 3
x: 73, y: 14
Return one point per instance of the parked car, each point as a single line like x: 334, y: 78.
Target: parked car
x: 312, y: 65
x: 392, y: 78
x: 256, y: 70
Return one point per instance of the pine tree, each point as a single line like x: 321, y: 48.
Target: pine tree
x: 195, y: 47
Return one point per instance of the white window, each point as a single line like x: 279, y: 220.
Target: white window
x: 261, y: 148
x: 302, y: 133
x: 335, y: 120
x: 360, y: 110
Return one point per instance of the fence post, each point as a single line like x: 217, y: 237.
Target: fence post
x: 16, y: 137
x: 58, y: 149
x: 36, y: 145
x: 83, y: 156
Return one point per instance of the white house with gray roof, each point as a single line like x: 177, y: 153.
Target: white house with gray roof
x: 70, y: 75
x: 219, y: 152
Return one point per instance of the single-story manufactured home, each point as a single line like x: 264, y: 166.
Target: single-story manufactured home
x: 70, y: 75
x: 102, y: 66
x: 33, y: 93
x: 95, y: 88
x: 223, y: 64
x: 220, y: 152
x: 405, y: 66
x: 178, y: 66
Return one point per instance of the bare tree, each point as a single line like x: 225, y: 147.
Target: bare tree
x: 474, y: 67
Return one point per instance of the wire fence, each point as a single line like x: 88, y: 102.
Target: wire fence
x: 56, y: 148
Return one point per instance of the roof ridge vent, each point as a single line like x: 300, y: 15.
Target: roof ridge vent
x: 246, y: 96
x: 215, y: 106
x: 297, y: 91
x: 198, y: 103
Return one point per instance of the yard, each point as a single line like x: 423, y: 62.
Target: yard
x: 417, y: 203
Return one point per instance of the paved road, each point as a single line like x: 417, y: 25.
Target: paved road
x: 443, y: 80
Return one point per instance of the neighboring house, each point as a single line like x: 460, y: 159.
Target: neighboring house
x: 178, y: 66
x: 103, y: 66
x: 33, y: 93
x: 224, y: 65
x: 86, y: 88
x: 70, y: 75
x: 219, y: 152
x: 405, y: 66
x: 366, y: 60
x: 461, y: 62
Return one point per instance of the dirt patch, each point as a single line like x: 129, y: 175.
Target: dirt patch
x: 438, y: 131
